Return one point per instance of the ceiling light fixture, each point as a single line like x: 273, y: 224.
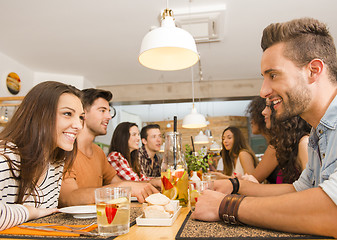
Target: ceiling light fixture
x: 194, y: 119
x: 168, y: 47
x: 201, y: 138
x: 215, y: 146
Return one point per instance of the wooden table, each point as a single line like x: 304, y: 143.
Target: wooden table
x: 142, y: 232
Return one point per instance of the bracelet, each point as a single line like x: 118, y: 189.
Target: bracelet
x: 229, y: 207
x: 236, y: 185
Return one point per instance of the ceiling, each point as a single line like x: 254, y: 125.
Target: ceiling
x: 100, y: 39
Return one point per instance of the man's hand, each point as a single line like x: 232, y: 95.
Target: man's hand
x: 142, y: 190
x: 224, y: 186
x: 207, y: 206
x: 39, y: 212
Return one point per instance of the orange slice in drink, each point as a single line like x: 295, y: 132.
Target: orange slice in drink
x: 171, y: 193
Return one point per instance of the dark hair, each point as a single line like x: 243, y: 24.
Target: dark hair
x: 119, y: 143
x: 239, y: 145
x: 285, y: 137
x: 305, y: 39
x: 254, y: 110
x: 143, y: 132
x: 91, y: 94
x: 32, y: 130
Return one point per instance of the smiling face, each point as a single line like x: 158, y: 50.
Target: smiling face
x: 153, y: 141
x: 285, y: 84
x: 228, y: 140
x: 97, y: 117
x: 69, y: 120
x: 134, y: 138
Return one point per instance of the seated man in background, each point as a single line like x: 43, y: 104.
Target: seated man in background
x: 150, y: 163
x: 91, y: 169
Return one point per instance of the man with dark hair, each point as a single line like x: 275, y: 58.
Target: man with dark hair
x: 299, y: 67
x: 91, y: 168
x: 148, y: 160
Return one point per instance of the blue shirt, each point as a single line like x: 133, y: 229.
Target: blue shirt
x: 321, y: 170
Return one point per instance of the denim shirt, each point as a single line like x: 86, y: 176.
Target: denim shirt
x: 321, y: 169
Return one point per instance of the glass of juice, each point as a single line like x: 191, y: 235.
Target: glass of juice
x: 113, y: 210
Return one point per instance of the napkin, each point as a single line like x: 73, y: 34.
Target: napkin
x: 25, y: 231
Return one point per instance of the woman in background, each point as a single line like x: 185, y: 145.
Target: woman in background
x: 237, y: 157
x: 286, y: 155
x: 34, y: 147
x: 123, y: 153
x: 267, y: 169
x: 290, y: 139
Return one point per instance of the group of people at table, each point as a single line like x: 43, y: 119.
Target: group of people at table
x: 48, y: 158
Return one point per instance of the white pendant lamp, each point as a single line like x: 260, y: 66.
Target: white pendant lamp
x: 194, y: 119
x: 168, y: 48
x: 215, y: 146
x: 201, y: 138
x: 162, y: 148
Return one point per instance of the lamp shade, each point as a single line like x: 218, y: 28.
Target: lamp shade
x: 215, y: 146
x: 201, y: 138
x: 162, y: 148
x: 168, y: 48
x: 194, y: 120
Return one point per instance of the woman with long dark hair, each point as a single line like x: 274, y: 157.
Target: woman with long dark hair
x: 123, y: 153
x: 287, y: 150
x: 267, y: 169
x: 290, y: 139
x: 237, y: 156
x: 35, y: 145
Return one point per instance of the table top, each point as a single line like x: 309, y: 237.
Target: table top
x: 148, y: 232
x: 145, y: 232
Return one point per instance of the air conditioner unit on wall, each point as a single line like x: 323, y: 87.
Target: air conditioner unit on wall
x: 204, y: 27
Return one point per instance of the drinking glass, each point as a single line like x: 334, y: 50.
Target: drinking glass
x: 195, y: 189
x: 113, y: 210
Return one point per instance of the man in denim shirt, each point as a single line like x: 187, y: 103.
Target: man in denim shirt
x: 299, y: 67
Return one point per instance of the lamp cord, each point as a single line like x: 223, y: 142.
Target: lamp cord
x: 192, y: 86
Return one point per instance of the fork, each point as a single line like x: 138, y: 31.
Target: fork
x: 70, y: 227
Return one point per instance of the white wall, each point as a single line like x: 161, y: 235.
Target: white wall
x: 26, y: 75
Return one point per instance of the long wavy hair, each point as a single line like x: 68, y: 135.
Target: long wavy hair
x: 254, y: 110
x: 32, y: 130
x: 119, y: 143
x: 240, y: 144
x: 286, y: 136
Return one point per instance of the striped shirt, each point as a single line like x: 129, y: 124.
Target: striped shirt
x: 12, y: 214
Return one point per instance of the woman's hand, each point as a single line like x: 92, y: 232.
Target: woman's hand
x: 220, y: 175
x: 207, y: 206
x: 39, y: 212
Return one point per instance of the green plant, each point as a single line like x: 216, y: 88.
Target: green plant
x: 195, y: 162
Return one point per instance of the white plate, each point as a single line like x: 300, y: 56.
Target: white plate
x: 83, y: 211
x: 165, y: 222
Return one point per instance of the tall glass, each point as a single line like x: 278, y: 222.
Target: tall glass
x: 113, y: 210
x: 174, y: 174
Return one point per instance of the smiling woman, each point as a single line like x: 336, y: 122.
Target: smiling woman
x: 48, y: 121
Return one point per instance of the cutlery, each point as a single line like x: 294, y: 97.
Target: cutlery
x: 50, y: 229
x: 67, y: 226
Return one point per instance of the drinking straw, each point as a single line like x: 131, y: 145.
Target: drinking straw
x: 193, y: 149
x: 175, y: 142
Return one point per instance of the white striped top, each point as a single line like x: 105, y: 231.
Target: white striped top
x: 12, y: 214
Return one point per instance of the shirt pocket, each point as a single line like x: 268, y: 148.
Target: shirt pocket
x: 328, y: 170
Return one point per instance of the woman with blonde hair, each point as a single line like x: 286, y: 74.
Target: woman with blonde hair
x: 34, y: 147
